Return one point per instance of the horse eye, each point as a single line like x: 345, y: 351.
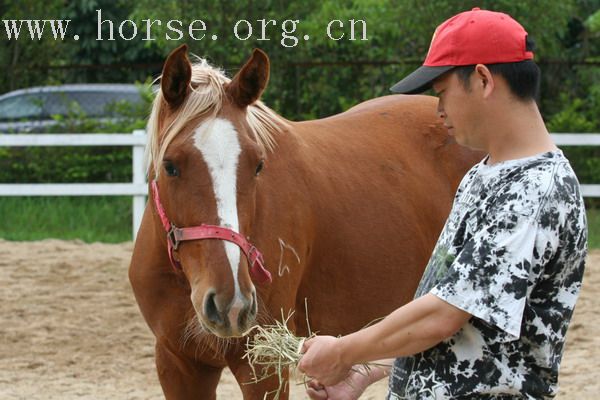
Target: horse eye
x: 260, y: 166
x: 171, y: 169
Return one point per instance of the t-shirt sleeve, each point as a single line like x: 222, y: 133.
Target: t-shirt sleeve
x: 489, y: 277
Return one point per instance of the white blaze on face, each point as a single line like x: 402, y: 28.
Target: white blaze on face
x: 218, y: 142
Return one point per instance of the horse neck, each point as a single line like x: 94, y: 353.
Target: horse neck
x: 283, y: 193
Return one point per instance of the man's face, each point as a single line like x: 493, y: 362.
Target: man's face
x: 460, y: 109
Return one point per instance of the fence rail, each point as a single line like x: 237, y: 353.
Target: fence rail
x: 137, y: 138
x: 138, y: 188
x: 576, y: 139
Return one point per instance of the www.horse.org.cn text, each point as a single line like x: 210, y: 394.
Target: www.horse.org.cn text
x: 286, y: 31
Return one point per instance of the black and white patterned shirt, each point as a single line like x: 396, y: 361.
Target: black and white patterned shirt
x: 512, y: 254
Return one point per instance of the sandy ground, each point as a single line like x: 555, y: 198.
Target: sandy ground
x: 70, y: 328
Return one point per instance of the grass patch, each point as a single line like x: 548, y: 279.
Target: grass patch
x: 593, y: 215
x: 107, y: 219
x: 91, y: 219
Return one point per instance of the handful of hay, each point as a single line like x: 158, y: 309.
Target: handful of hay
x: 272, y: 350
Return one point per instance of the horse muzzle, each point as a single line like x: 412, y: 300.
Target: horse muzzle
x: 227, y: 319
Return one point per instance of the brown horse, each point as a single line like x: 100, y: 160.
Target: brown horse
x: 345, y: 210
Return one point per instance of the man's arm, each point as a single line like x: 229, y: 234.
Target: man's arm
x: 413, y: 328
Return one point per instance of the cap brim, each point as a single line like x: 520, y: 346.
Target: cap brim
x: 420, y: 80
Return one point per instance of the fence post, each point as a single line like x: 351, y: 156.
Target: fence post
x: 139, y: 177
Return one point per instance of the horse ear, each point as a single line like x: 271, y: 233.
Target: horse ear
x: 249, y: 83
x: 176, y: 77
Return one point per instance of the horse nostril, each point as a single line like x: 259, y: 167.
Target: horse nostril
x: 210, y: 309
x: 248, y: 313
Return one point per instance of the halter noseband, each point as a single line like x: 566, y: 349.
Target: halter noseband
x: 177, y: 235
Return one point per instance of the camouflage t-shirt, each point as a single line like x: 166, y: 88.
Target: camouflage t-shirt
x: 512, y: 254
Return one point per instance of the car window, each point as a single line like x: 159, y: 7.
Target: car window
x: 92, y: 103
x: 26, y: 106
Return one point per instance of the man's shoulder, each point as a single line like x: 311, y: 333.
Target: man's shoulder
x: 539, y: 169
x: 537, y: 178
x: 523, y: 187
x: 552, y: 181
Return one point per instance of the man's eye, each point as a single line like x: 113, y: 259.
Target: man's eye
x: 171, y: 169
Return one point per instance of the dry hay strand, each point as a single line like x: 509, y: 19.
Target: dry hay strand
x: 274, y: 349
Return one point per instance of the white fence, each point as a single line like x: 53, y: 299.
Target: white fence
x: 138, y: 188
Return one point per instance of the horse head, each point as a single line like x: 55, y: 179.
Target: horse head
x: 209, y: 137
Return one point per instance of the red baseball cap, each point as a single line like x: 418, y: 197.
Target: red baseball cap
x: 471, y: 37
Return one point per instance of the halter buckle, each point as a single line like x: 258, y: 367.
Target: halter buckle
x: 251, y: 252
x: 173, y: 236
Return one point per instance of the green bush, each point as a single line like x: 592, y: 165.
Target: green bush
x: 580, y: 115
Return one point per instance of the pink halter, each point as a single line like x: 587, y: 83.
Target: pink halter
x: 176, y: 235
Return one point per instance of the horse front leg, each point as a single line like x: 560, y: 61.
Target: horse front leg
x: 257, y: 391
x: 183, y: 378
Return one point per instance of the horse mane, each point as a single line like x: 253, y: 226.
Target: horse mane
x: 204, y: 101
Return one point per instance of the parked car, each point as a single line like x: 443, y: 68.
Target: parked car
x: 34, y: 109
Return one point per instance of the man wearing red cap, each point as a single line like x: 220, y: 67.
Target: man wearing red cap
x: 492, y: 309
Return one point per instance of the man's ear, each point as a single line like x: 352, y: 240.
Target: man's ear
x: 176, y: 77
x: 484, y: 79
x: 249, y: 83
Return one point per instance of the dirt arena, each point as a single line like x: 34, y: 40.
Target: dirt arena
x: 70, y: 328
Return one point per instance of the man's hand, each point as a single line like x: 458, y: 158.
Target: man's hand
x: 349, y: 389
x: 323, y: 361
x: 413, y: 328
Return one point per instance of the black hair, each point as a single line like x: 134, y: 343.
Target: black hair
x: 523, y: 77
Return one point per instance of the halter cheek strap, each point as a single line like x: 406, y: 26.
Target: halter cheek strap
x: 177, y: 235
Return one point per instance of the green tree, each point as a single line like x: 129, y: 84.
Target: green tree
x: 34, y: 54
